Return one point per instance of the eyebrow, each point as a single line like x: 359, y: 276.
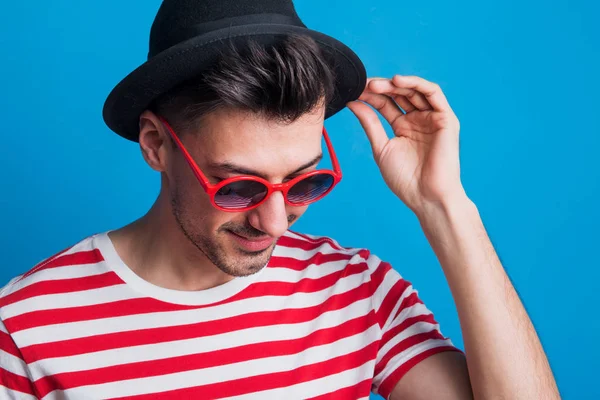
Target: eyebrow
x: 237, y: 169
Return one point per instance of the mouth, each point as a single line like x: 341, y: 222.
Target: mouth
x: 254, y: 244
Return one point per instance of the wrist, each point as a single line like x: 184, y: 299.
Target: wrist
x: 450, y: 225
x: 447, y: 209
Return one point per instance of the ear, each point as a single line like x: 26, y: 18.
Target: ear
x: 154, y: 142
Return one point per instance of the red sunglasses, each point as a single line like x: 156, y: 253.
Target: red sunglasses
x: 243, y: 193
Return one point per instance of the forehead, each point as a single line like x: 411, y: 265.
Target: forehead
x: 253, y: 141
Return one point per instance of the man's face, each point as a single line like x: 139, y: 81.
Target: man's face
x: 241, y: 243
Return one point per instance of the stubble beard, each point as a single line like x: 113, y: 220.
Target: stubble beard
x: 240, y: 264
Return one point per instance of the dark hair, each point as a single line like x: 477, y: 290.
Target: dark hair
x: 282, y: 82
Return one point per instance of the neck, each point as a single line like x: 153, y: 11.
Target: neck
x: 158, y: 251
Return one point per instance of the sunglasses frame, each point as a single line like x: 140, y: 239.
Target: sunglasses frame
x: 285, y: 187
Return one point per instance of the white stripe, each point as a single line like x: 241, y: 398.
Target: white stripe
x: 2, y: 327
x: 7, y: 288
x: 83, y: 245
x: 373, y: 262
x: 230, y: 372
x: 66, y: 272
x: 64, y: 300
x: 8, y: 394
x: 323, y: 238
x: 72, y: 330
x: 293, y: 235
x: 383, y: 290
x: 415, y: 329
x: 232, y: 339
x: 415, y: 310
x: 392, y: 318
x: 302, y: 255
x: 16, y: 283
x: 316, y: 387
x: 322, y: 270
x: 13, y: 364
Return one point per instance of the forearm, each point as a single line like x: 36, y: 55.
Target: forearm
x: 504, y: 355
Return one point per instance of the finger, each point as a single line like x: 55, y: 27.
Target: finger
x: 376, y: 78
x: 385, y: 86
x: 404, y: 103
x: 432, y: 91
x: 384, y: 104
x: 400, y: 99
x: 371, y: 124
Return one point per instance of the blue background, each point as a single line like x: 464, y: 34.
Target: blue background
x: 521, y: 76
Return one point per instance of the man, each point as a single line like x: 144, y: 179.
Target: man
x: 210, y: 295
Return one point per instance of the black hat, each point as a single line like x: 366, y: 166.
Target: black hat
x: 187, y: 36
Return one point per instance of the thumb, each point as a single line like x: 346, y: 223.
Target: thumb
x: 371, y: 124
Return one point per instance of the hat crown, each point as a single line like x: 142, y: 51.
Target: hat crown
x: 188, y: 36
x: 179, y: 20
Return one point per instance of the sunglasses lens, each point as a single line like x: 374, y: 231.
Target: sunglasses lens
x: 241, y: 194
x: 310, y: 189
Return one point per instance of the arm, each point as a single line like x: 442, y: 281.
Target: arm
x: 420, y: 164
x: 504, y: 354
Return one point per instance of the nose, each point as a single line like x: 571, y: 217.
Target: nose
x: 271, y: 216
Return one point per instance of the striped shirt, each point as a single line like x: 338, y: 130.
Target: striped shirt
x: 320, y: 321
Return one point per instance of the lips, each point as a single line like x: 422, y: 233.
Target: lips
x: 252, y: 244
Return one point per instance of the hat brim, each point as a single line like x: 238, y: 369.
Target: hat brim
x: 136, y: 91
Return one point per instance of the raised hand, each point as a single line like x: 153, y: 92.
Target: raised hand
x: 420, y: 164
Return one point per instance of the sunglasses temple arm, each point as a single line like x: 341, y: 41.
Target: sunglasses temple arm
x: 334, y: 161
x: 188, y: 158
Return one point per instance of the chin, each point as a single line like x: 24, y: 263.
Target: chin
x: 244, y: 263
x: 244, y: 271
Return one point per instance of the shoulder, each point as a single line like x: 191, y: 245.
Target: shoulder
x: 304, y: 249
x: 50, y: 276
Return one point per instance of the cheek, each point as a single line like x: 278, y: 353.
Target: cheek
x: 191, y: 202
x: 202, y: 219
x: 187, y: 188
x: 196, y: 209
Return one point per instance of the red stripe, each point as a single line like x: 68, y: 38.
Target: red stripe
x: 407, y: 323
x: 147, y: 305
x: 320, y: 240
x: 306, y: 285
x: 15, y: 382
x: 409, y: 301
x: 300, y: 265
x: 116, y: 340
x: 8, y: 345
x: 86, y: 313
x: 390, y: 301
x: 378, y: 275
x: 306, y: 243
x: 62, y: 286
x: 44, y: 262
x: 360, y: 390
x: 404, y: 345
x: 295, y: 243
x: 387, y: 386
x: 79, y: 258
x: 268, y: 381
x: 206, y: 360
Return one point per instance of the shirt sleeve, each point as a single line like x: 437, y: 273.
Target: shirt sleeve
x: 409, y: 332
x: 14, y: 379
